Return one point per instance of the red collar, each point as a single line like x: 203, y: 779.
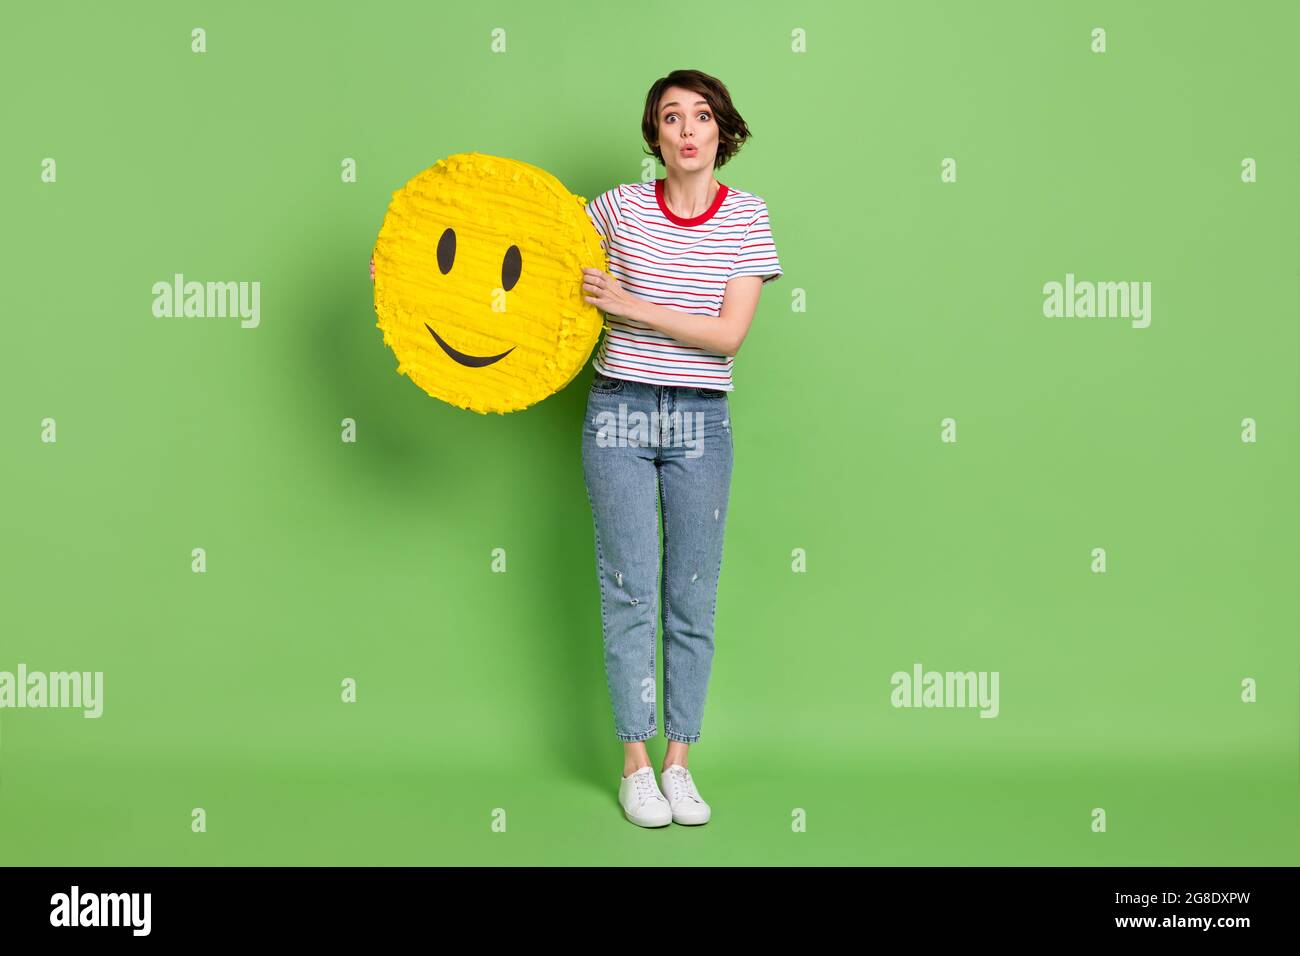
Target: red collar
x: 694, y: 220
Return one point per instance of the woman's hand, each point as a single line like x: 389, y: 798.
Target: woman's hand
x: 604, y: 292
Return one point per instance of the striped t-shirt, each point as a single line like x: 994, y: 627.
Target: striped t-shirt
x: 679, y: 263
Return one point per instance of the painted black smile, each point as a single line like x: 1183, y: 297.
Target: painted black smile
x: 473, y: 361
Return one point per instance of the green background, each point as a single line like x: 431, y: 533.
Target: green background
x: 480, y: 690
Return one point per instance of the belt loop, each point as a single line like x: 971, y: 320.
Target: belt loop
x: 663, y: 416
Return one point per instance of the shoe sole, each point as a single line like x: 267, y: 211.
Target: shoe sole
x: 648, y: 824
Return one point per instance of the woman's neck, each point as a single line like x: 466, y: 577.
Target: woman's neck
x: 690, y: 194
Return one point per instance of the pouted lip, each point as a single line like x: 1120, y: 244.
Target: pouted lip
x: 692, y: 149
x: 473, y: 361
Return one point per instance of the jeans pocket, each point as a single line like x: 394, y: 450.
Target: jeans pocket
x: 710, y: 393
x: 605, y: 385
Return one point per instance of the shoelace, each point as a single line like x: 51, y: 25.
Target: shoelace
x: 645, y: 788
x: 679, y: 778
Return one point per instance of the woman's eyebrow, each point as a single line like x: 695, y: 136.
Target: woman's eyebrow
x: 697, y: 103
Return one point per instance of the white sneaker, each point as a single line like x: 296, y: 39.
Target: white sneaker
x: 642, y: 802
x: 687, y: 805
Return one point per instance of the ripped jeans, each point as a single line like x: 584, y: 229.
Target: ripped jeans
x: 642, y: 445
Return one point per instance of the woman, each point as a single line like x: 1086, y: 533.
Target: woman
x: 688, y: 256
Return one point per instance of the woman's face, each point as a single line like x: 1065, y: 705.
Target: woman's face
x: 688, y: 135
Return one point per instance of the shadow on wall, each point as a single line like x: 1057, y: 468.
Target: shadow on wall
x: 522, y: 470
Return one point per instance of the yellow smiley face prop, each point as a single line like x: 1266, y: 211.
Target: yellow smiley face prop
x: 478, y: 282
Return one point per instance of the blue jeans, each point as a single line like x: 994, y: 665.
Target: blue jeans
x: 643, y: 444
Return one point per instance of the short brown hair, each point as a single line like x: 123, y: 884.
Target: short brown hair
x: 732, y: 131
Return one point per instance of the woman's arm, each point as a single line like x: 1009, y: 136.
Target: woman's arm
x: 722, y: 335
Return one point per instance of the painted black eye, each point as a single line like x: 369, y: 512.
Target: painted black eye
x: 447, y: 250
x: 511, y: 266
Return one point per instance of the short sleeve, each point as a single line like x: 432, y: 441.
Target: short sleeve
x: 605, y: 213
x: 757, y: 256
